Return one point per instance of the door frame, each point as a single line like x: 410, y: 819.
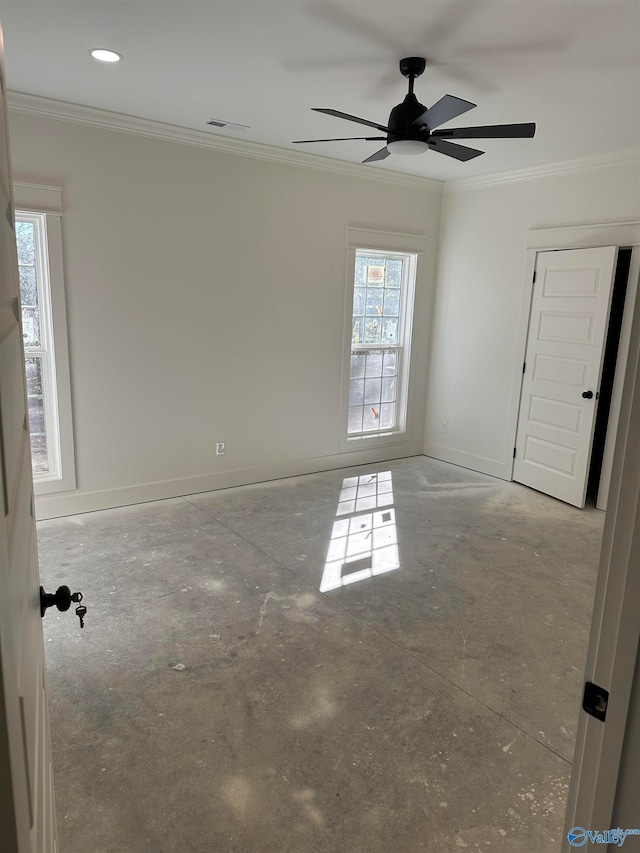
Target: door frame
x: 621, y: 234
x: 566, y: 485
x: 615, y: 631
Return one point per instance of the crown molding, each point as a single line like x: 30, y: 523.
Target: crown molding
x: 547, y: 170
x: 21, y: 102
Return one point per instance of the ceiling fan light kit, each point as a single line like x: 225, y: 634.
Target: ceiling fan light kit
x: 407, y: 146
x: 412, y: 127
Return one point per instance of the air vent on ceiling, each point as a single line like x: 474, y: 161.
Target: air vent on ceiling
x: 218, y: 122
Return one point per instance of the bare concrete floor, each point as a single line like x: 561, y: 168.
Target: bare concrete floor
x: 218, y: 701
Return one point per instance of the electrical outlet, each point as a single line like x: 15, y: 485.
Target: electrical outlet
x: 220, y: 448
x: 445, y: 426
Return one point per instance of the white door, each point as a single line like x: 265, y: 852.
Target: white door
x: 27, y: 819
x: 563, y: 366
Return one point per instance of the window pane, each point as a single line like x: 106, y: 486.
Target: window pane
x: 374, y: 364
x: 387, y: 415
x: 355, y: 419
x: 37, y: 423
x: 390, y: 331
x: 31, y: 327
x: 394, y: 273
x: 25, y: 243
x: 391, y: 302
x: 356, y: 392
x: 360, y: 274
x: 388, y: 389
x: 357, y: 334
x: 30, y: 308
x: 390, y: 363
x: 357, y: 365
x: 372, y: 391
x: 375, y: 298
x: 28, y: 286
x: 370, y: 419
x: 372, y: 330
x: 374, y: 262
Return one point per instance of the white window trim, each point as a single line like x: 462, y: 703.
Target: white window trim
x: 380, y: 241
x: 33, y: 200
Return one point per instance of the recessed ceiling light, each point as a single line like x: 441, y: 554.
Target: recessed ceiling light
x: 103, y: 55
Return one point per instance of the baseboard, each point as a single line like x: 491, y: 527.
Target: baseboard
x: 467, y: 460
x: 73, y: 503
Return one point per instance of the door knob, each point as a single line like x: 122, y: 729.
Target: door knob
x: 62, y: 599
x: 587, y: 394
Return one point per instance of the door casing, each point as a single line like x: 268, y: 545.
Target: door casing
x: 589, y: 306
x: 622, y: 234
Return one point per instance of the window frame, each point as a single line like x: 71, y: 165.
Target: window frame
x: 412, y: 247
x: 42, y: 206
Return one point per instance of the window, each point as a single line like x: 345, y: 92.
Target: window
x: 381, y: 310
x: 38, y: 345
x: 45, y: 348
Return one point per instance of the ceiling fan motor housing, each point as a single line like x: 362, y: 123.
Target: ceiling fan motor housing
x: 401, y: 120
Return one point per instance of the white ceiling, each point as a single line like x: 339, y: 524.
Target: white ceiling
x: 572, y: 66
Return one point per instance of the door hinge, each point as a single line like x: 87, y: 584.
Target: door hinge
x: 524, y: 366
x: 534, y: 276
x: 595, y: 701
x: 514, y: 453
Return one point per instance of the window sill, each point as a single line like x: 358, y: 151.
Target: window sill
x: 367, y: 442
x: 51, y: 485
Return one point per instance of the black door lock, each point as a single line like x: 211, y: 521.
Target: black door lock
x: 62, y: 599
x: 595, y: 700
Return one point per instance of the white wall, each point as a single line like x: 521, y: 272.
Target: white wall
x: 205, y: 297
x: 480, y: 278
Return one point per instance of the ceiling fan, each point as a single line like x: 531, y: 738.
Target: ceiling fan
x: 411, y: 128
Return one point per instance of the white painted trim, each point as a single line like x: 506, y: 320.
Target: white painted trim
x: 615, y: 629
x: 37, y: 198
x: 58, y: 405
x: 386, y: 241
x: 586, y: 236
x: 590, y: 235
x: 546, y: 170
x: 61, y: 360
x: 521, y: 349
x: 483, y: 464
x: 77, y: 114
x: 618, y: 381
x: 55, y: 506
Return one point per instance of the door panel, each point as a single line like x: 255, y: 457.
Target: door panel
x: 27, y: 818
x: 565, y: 349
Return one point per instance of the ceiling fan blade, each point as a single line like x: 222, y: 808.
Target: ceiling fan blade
x: 339, y: 139
x: 445, y: 109
x: 459, y: 152
x: 382, y: 154
x: 348, y: 117
x: 489, y: 131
